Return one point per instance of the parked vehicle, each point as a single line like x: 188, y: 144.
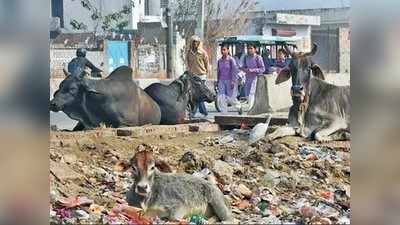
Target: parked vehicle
x: 266, y: 46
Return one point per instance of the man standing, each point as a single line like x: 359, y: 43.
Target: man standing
x: 80, y: 61
x: 197, y: 64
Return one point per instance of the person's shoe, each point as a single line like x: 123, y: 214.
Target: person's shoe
x: 204, y: 116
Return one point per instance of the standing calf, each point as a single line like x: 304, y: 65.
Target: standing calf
x: 173, y: 196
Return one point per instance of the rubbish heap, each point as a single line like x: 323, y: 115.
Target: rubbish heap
x: 289, y: 180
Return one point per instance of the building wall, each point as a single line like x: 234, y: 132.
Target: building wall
x: 147, y: 61
x: 344, y: 48
x: 302, y: 31
x: 333, y: 29
x: 328, y: 16
x: 179, y: 51
x: 151, y: 61
x: 155, y: 7
x: 72, y: 9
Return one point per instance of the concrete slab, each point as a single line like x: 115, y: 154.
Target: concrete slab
x: 270, y: 97
x: 235, y: 120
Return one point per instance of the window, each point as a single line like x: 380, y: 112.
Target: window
x: 164, y: 3
x: 57, y: 10
x: 146, y: 7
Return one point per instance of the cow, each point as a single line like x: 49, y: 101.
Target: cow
x: 320, y: 110
x: 174, y: 99
x: 115, y: 101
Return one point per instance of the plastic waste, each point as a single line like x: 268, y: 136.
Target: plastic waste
x: 197, y: 220
x: 258, y: 132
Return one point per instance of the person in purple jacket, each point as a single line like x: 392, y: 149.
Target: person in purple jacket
x: 280, y: 61
x: 253, y: 66
x: 227, y: 78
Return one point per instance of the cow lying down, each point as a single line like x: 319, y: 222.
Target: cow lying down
x: 320, y: 110
x: 115, y: 101
x: 173, y: 99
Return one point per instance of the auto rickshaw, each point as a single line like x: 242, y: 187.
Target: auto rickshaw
x: 266, y: 46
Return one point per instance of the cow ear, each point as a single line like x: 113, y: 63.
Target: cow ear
x: 90, y: 89
x: 93, y: 91
x: 317, y: 72
x: 283, y: 76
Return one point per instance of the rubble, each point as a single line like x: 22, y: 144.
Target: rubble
x: 289, y: 180
x: 223, y: 171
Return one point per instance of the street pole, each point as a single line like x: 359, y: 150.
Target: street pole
x: 202, y: 19
x: 170, y: 44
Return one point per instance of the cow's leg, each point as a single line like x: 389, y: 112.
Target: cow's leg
x: 282, y: 132
x: 340, y: 135
x: 325, y: 134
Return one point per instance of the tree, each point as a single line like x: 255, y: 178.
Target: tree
x: 222, y: 17
x: 116, y: 21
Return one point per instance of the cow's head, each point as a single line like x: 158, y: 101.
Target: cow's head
x: 200, y: 91
x: 185, y: 87
x: 144, y: 168
x: 71, y: 91
x: 300, y: 69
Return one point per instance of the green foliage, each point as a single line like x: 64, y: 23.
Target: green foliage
x: 110, y: 22
x: 78, y: 25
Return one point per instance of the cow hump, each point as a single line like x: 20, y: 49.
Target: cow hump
x: 121, y: 73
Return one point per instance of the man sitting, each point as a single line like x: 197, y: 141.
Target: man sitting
x: 80, y: 61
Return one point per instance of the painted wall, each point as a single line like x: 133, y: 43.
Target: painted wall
x: 344, y: 49
x: 151, y: 61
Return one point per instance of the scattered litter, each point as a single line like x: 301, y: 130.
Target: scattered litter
x: 82, y: 215
x: 197, y: 220
x: 285, y: 181
x: 227, y: 139
x: 258, y: 131
x: 326, y: 210
x: 245, y: 191
x: 74, y: 201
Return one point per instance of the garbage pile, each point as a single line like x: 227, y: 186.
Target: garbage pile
x: 290, y: 180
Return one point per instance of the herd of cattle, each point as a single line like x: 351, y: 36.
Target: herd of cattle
x: 320, y: 110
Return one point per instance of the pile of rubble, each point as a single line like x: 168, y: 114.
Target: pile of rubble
x: 290, y: 180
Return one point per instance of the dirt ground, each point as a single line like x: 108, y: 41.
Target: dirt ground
x: 289, y: 180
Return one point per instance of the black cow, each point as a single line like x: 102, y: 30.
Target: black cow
x: 320, y: 110
x: 115, y: 101
x: 174, y: 98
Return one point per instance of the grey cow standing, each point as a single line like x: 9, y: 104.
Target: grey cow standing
x: 320, y: 110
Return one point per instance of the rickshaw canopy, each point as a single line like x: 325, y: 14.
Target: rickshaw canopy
x: 258, y: 40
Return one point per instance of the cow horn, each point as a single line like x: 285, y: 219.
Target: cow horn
x: 290, y: 52
x: 313, y: 50
x: 182, y: 85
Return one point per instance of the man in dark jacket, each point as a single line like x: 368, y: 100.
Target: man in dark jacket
x: 80, y: 61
